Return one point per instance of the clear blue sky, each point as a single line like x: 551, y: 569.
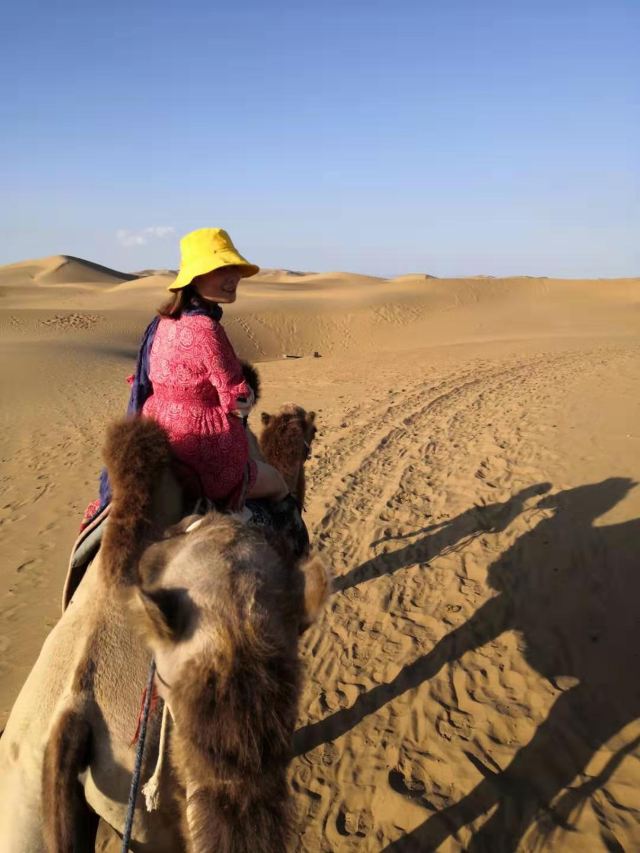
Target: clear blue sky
x: 472, y: 136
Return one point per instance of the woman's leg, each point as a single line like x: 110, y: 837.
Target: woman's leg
x: 269, y: 483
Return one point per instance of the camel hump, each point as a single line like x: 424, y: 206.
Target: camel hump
x: 137, y: 455
x: 135, y: 452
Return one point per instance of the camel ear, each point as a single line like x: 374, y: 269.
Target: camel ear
x: 265, y: 417
x: 317, y: 586
x: 167, y: 610
x: 310, y: 418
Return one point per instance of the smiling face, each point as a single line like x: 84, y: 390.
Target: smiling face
x: 221, y: 285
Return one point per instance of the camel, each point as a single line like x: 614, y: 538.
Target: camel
x: 285, y: 443
x: 286, y: 438
x: 219, y: 606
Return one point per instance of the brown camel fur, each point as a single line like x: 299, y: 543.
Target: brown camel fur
x: 219, y: 609
x: 252, y: 378
x: 285, y: 443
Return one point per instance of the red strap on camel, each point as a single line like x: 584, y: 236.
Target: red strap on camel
x: 152, y: 708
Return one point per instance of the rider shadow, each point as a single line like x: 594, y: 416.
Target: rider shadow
x: 441, y: 538
x: 571, y: 590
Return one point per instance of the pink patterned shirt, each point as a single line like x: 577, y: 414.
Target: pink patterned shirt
x: 196, y: 379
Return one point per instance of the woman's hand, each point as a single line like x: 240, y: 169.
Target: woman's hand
x: 244, y: 405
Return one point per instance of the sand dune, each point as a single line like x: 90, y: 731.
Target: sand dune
x: 63, y: 269
x: 163, y: 272
x: 280, y: 274
x: 472, y: 685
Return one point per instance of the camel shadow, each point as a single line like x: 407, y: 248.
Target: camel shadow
x: 441, y: 539
x: 571, y: 589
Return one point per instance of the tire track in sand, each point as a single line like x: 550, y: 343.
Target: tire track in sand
x: 427, y: 482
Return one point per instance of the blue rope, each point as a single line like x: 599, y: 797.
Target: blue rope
x: 135, y: 779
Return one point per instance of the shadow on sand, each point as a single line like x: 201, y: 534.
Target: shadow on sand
x: 441, y: 538
x: 571, y: 589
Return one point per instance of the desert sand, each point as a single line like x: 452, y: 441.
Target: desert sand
x: 473, y: 684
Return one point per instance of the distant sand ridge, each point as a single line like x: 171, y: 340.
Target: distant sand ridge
x: 281, y: 310
x: 474, y: 485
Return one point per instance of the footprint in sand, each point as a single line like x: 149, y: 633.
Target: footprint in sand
x: 413, y: 787
x: 358, y: 823
x: 343, y: 696
x: 71, y: 321
x: 454, y: 725
x: 326, y: 755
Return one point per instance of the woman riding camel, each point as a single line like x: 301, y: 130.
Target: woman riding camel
x: 189, y: 379
x: 199, y: 394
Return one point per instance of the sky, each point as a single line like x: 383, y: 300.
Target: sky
x: 469, y: 137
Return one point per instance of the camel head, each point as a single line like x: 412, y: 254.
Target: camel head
x: 286, y: 441
x: 215, y: 597
x: 292, y: 422
x: 220, y: 608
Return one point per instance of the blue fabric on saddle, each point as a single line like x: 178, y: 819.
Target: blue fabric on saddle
x: 282, y: 518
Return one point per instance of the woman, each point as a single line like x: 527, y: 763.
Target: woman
x: 198, y: 392
x: 189, y: 379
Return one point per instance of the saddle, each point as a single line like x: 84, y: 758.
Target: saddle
x: 280, y: 520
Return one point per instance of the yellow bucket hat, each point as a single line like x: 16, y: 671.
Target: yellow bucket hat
x: 206, y: 250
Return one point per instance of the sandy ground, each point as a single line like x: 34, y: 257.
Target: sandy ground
x: 474, y: 682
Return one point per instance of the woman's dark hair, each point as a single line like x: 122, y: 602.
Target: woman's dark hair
x: 252, y: 378
x: 177, y: 302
